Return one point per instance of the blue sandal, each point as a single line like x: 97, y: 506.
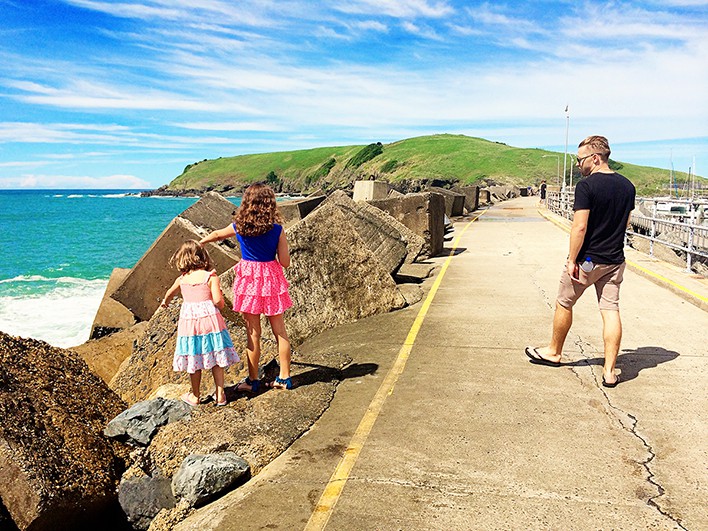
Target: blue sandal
x: 282, y: 383
x: 255, y: 385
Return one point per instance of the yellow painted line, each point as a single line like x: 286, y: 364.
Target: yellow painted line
x: 637, y: 266
x: 667, y: 281
x: 319, y: 518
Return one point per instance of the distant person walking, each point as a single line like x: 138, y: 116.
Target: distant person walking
x: 203, y: 342
x: 603, y: 202
x: 260, y: 286
x: 543, y: 191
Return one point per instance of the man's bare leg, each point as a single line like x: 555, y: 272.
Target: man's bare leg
x: 562, y: 321
x: 612, y: 337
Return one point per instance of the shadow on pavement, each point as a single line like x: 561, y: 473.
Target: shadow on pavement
x: 632, y: 362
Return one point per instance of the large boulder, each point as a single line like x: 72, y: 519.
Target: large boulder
x: 112, y: 315
x: 201, y: 478
x: 391, y: 242
x: 143, y: 288
x: 334, y: 278
x: 454, y: 201
x: 139, y: 424
x: 57, y: 469
x: 149, y: 366
x: 105, y: 355
x: 423, y: 213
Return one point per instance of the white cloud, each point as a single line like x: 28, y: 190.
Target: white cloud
x: 397, y: 8
x: 73, y: 182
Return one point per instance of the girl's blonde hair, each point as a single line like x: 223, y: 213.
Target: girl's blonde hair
x: 191, y: 256
x: 258, y: 211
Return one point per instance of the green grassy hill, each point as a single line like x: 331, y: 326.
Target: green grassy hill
x: 408, y: 163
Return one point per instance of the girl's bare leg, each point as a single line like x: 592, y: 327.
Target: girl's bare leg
x: 195, y: 380
x: 218, y: 374
x: 253, y: 347
x: 277, y: 324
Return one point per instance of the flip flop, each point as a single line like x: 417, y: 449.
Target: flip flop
x: 535, y: 357
x: 187, y: 399
x: 213, y: 398
x: 613, y: 384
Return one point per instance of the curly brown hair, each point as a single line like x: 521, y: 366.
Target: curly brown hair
x: 258, y: 211
x: 191, y: 256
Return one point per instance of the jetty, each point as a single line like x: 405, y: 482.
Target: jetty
x: 455, y: 429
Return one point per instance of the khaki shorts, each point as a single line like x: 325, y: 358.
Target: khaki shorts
x: 605, y: 277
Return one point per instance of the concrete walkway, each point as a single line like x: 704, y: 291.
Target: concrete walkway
x: 466, y: 434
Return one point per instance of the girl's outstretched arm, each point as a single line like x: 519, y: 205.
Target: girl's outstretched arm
x: 216, y: 294
x: 218, y: 235
x: 170, y: 294
x: 283, y: 252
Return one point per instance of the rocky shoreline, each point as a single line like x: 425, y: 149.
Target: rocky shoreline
x: 99, y: 429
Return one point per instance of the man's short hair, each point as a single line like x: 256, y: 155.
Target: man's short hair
x: 599, y: 145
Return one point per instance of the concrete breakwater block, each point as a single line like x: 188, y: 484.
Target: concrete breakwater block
x: 423, y: 214
x: 390, y: 241
x: 471, y: 194
x: 55, y: 463
x: 143, y: 288
x: 370, y: 190
x: 201, y: 478
x: 112, y: 315
x: 297, y: 209
x: 454, y: 201
x: 334, y: 278
x: 485, y: 196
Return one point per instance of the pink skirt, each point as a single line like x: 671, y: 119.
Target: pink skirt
x: 260, y: 288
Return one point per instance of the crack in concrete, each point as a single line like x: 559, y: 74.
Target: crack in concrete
x: 646, y: 464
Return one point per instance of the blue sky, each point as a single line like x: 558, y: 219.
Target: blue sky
x: 124, y: 94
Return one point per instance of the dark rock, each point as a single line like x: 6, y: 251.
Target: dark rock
x: 140, y: 423
x: 141, y: 498
x: 56, y: 466
x: 202, y: 478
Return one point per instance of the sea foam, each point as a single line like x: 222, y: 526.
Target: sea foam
x: 60, y: 311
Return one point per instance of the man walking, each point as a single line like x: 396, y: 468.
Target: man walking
x: 603, y: 202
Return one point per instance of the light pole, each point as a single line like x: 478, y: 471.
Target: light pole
x: 565, y: 153
x: 558, y: 166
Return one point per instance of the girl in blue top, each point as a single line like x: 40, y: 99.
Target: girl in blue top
x: 260, y: 286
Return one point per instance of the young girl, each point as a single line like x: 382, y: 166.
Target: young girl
x: 203, y: 342
x: 260, y: 286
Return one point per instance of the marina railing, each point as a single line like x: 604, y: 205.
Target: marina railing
x: 679, y: 224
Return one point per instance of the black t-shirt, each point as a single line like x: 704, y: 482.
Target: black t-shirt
x: 610, y: 199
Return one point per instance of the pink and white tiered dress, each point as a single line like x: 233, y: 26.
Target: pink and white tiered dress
x: 203, y: 340
x: 260, y: 286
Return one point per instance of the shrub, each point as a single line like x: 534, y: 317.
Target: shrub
x: 321, y: 172
x: 389, y: 166
x: 365, y: 154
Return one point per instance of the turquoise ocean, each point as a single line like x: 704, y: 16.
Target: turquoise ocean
x: 59, y: 248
